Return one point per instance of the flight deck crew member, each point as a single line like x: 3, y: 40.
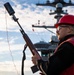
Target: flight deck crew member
x: 62, y: 61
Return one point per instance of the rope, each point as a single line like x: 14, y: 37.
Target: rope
x: 9, y: 45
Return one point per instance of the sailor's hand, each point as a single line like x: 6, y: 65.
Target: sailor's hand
x: 35, y: 57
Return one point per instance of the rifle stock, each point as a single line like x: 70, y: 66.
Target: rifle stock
x: 29, y: 43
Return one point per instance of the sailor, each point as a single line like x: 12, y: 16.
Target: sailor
x: 62, y: 61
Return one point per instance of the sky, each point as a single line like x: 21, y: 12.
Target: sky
x: 11, y: 40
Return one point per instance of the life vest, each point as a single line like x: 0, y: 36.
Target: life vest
x: 70, y: 70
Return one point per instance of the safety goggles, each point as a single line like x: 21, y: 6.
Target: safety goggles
x: 61, y: 26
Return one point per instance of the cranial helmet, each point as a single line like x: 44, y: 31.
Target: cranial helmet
x: 67, y: 20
